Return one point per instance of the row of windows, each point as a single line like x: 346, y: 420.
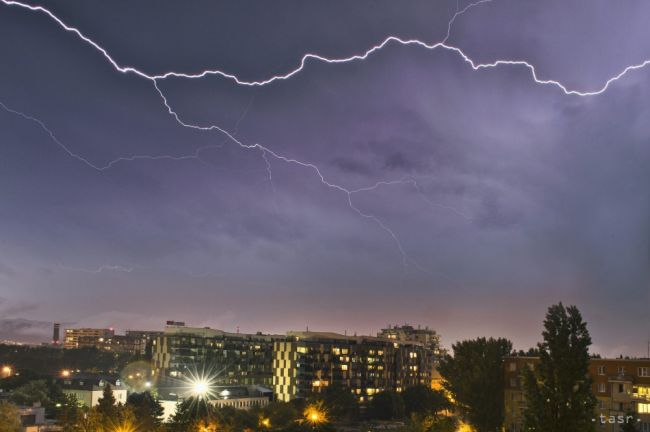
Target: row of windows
x: 620, y: 370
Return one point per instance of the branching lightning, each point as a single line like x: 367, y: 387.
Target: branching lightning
x: 52, y: 136
x: 265, y: 151
x: 458, y: 13
x: 110, y: 164
x: 355, y: 57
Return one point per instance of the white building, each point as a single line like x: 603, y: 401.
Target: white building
x: 88, y: 389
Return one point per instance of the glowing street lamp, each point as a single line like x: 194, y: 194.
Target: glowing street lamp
x: 200, y: 388
x: 315, y: 415
x: 65, y: 373
x: 124, y: 427
x: 6, y: 371
x: 265, y: 423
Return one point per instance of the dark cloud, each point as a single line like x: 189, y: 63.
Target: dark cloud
x: 399, y: 162
x: 513, y: 194
x: 23, y: 330
x: 350, y: 166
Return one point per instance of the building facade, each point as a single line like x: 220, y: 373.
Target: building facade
x: 297, y: 364
x: 621, y: 386
x: 239, y: 397
x: 88, y: 389
x: 309, y: 362
x: 234, y: 358
x: 86, y: 337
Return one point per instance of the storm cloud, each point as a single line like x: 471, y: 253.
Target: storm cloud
x: 497, y: 196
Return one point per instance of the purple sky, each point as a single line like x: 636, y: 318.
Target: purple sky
x: 503, y: 195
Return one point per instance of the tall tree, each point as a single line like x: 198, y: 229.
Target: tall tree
x: 558, y: 392
x: 69, y: 414
x: 422, y: 400
x: 106, y: 404
x: 191, y: 412
x: 474, y: 377
x: 340, y: 403
x: 387, y: 405
x: 146, y: 409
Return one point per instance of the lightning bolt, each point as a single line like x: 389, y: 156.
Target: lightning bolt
x: 265, y: 151
x: 334, y: 60
x: 458, y: 13
x: 110, y: 164
x: 52, y: 136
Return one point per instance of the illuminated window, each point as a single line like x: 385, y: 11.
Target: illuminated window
x: 642, y: 391
x: 302, y: 350
x: 344, y: 367
x: 643, y: 408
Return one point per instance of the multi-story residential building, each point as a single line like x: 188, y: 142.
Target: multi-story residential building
x: 621, y: 386
x: 86, y: 337
x: 296, y: 364
x: 426, y: 336
x: 135, y: 342
x: 140, y: 342
x: 234, y: 358
x: 308, y: 362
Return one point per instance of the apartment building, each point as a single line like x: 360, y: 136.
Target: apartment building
x: 295, y: 365
x: 234, y: 358
x: 86, y: 337
x: 308, y: 362
x: 620, y: 386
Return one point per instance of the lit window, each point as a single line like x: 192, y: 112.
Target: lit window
x: 644, y: 408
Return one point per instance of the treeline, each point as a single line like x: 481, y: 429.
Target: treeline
x: 557, y: 390
x: 50, y: 361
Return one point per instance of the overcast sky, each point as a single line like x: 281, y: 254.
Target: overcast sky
x: 502, y: 195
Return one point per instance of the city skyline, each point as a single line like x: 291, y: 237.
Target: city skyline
x: 409, y: 184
